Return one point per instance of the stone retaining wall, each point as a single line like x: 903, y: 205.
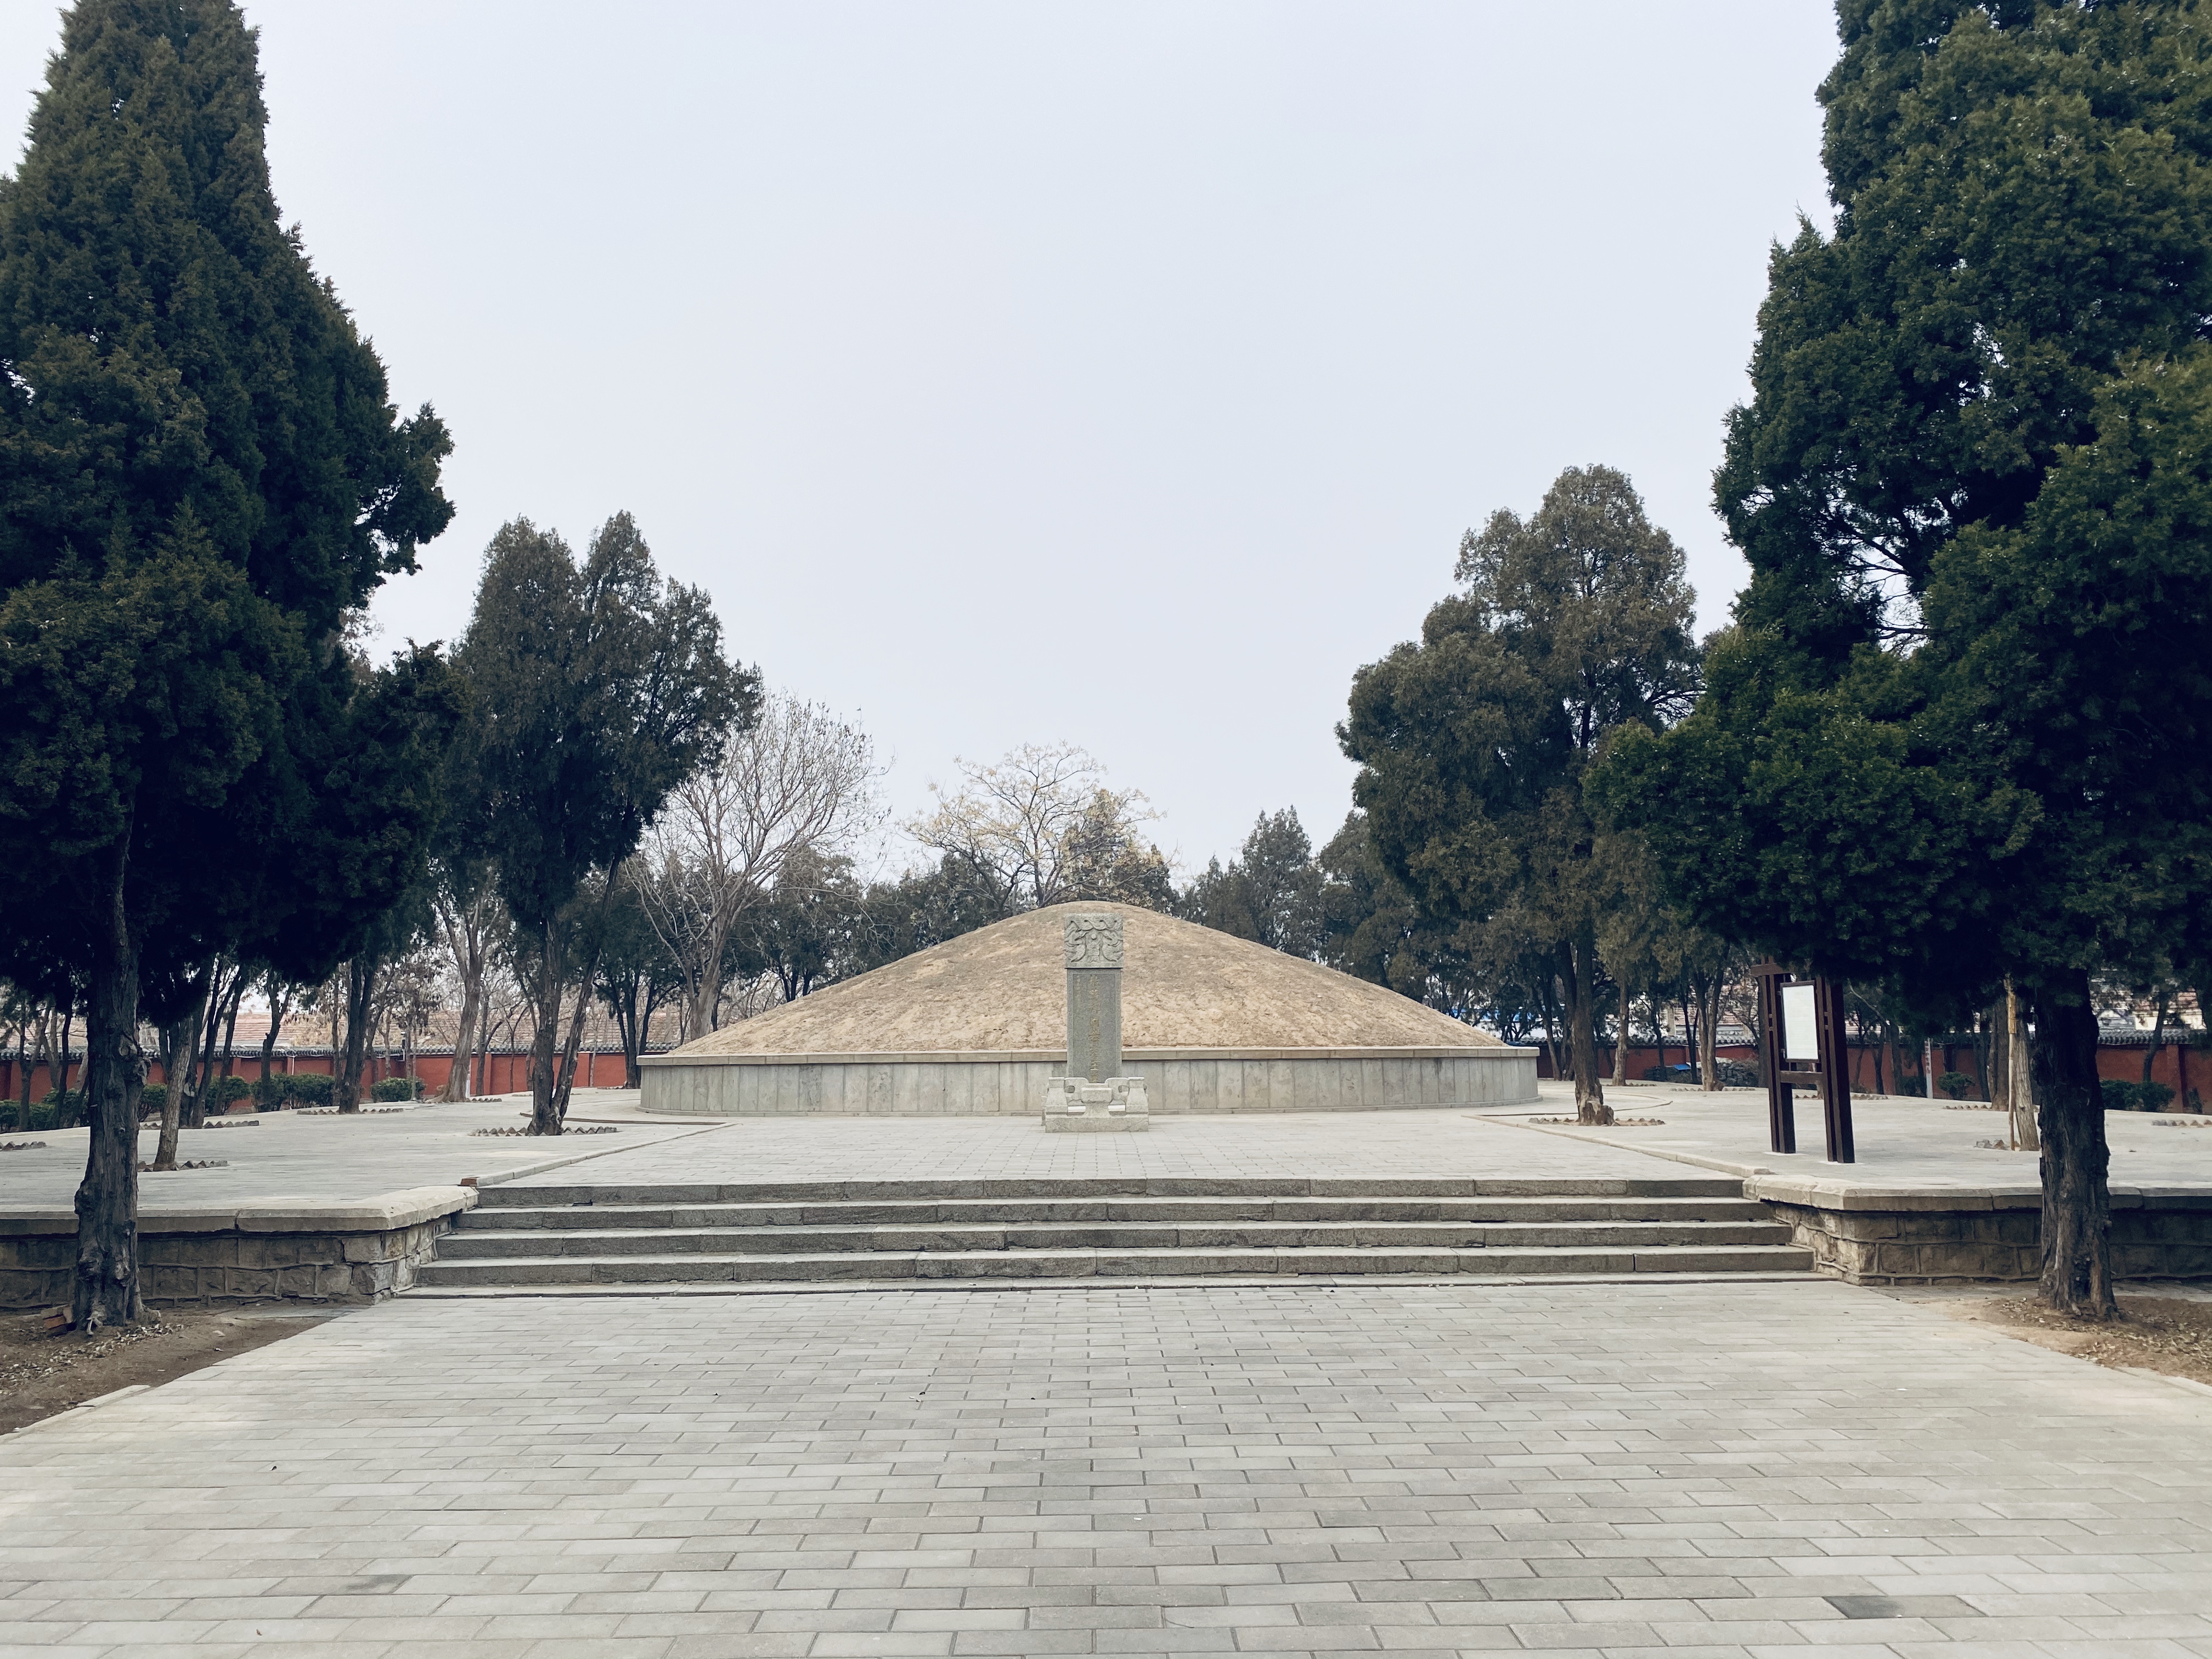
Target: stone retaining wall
x: 1920, y: 1238
x: 280, y: 1251
x: 1179, y: 1082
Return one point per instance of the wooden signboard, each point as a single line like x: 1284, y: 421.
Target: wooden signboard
x: 1802, y: 1040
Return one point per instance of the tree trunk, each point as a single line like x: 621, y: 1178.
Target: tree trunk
x: 173, y: 1095
x: 1581, y: 986
x: 106, y: 1291
x: 566, y: 1073
x: 457, y: 1080
x: 464, y: 926
x: 2019, y: 1072
x: 2157, y: 1039
x: 209, y: 1022
x: 633, y: 1070
x: 230, y: 1028
x: 360, y: 994
x: 1620, y: 1042
x: 269, y: 1040
x: 545, y: 1117
x: 628, y: 1021
x: 30, y: 1057
x: 1985, y: 1049
x: 180, y: 1049
x: 595, y: 936
x: 1709, y: 1030
x: 481, y: 1084
x: 2077, y: 1255
x: 1996, y: 1062
x: 62, y: 1060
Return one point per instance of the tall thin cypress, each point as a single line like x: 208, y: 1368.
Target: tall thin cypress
x: 201, y: 474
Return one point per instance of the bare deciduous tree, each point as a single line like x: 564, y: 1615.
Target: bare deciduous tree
x: 1041, y: 827
x: 466, y: 902
x: 801, y: 781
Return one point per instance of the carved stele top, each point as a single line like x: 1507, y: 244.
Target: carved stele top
x: 1094, y: 941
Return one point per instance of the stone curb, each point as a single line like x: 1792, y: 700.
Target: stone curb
x: 1180, y: 1282
x: 408, y: 1206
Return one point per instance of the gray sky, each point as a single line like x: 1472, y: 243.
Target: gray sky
x: 1122, y: 374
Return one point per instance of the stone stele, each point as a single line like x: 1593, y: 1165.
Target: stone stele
x: 1094, y: 1096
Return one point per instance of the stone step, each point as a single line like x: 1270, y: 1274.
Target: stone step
x: 600, y: 1215
x: 891, y: 1264
x: 823, y: 1192
x: 1611, y: 1236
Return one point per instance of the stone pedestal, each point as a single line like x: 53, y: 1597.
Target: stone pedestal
x: 1077, y: 1106
x: 1093, y: 1097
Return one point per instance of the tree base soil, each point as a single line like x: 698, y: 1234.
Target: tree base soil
x: 2168, y: 1333
x: 45, y: 1371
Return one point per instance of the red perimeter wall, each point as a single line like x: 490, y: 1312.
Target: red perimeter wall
x: 506, y: 1073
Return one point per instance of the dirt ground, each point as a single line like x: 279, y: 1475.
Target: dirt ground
x: 2168, y: 1333
x: 43, y: 1372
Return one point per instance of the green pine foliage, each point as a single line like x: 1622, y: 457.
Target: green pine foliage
x: 1957, y: 733
x: 1476, y: 743
x: 596, y: 687
x: 201, y: 478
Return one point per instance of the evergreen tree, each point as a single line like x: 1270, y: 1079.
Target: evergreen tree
x: 201, y: 476
x: 1270, y: 892
x: 1957, y: 733
x: 636, y: 974
x: 927, y: 906
x: 595, y: 689
x: 1474, y: 745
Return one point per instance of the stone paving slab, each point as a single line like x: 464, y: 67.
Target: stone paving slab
x: 1354, y: 1146
x: 1742, y: 1470
x: 1904, y: 1144
x: 311, y: 1158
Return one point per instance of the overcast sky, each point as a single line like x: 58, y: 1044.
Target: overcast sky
x: 1122, y: 374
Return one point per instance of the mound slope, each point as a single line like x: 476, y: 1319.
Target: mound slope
x: 1184, y: 987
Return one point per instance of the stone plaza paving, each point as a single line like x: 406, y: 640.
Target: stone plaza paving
x: 1417, y: 1144
x: 317, y: 1157
x: 1793, y: 1466
x: 1902, y: 1143
x: 1686, y: 1469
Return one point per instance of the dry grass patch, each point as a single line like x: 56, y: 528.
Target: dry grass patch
x: 43, y: 1371
x: 2168, y: 1333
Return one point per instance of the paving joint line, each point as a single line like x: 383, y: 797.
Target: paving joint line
x: 1185, y: 1282
x: 506, y: 1176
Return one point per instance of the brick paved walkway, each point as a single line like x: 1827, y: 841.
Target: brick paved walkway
x: 1688, y: 1469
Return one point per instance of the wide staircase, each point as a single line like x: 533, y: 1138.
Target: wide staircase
x: 1106, y: 1228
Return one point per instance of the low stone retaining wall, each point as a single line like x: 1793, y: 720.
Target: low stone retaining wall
x: 1180, y: 1082
x: 1930, y: 1236
x: 274, y: 1250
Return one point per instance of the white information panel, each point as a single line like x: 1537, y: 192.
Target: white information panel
x: 1801, y: 1030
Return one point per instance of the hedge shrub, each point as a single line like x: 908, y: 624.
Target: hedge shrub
x: 2123, y: 1096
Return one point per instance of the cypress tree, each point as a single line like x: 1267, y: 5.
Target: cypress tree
x: 201, y: 476
x: 1958, y: 734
